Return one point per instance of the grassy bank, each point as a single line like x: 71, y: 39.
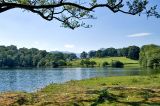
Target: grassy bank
x: 127, y: 62
x: 105, y: 91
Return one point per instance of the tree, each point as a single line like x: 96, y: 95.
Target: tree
x: 92, y: 54
x: 42, y: 53
x: 119, y: 53
x: 35, y: 60
x: 150, y: 56
x: 92, y: 63
x: 9, y: 62
x: 70, y: 56
x: 83, y: 55
x: 10, y: 57
x: 117, y: 64
x: 72, y: 13
x: 42, y: 63
x: 58, y: 56
x: 124, y: 52
x: 87, y: 63
x: 99, y: 53
x: 112, y: 52
x: 105, y: 64
x: 104, y: 53
x: 61, y: 63
x: 133, y: 52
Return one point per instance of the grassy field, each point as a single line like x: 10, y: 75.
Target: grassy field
x: 128, y: 62
x: 104, y: 91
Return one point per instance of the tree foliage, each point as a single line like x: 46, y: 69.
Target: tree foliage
x: 92, y: 54
x: 87, y: 63
x: 105, y: 64
x: 131, y: 52
x: 83, y: 55
x: 117, y: 64
x: 71, y: 13
x: 10, y: 56
x: 150, y: 56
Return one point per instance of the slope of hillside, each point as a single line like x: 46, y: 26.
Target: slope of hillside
x: 99, y: 61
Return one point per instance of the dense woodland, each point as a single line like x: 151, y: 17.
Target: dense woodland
x: 131, y: 52
x: 11, y: 56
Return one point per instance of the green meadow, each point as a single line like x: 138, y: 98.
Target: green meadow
x: 99, y: 61
x: 104, y: 91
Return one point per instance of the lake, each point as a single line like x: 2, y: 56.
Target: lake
x: 30, y: 80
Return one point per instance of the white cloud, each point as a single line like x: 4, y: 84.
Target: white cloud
x: 139, y: 35
x: 69, y: 46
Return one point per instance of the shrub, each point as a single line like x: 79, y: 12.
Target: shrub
x: 61, y: 63
x: 104, y: 64
x: 92, y: 63
x: 69, y: 64
x: 54, y: 64
x: 82, y: 62
x: 87, y: 63
x: 117, y: 64
x: 58, y: 63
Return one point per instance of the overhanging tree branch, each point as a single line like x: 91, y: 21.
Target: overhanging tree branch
x: 71, y: 14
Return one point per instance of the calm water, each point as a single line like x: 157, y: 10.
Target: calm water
x: 33, y: 79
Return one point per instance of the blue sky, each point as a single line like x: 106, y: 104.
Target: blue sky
x: 25, y: 29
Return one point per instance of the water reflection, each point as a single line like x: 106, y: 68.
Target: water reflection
x: 32, y: 79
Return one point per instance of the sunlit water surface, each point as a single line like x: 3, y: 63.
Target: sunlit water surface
x: 30, y: 80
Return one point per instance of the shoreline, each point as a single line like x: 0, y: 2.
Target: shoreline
x: 89, y: 90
